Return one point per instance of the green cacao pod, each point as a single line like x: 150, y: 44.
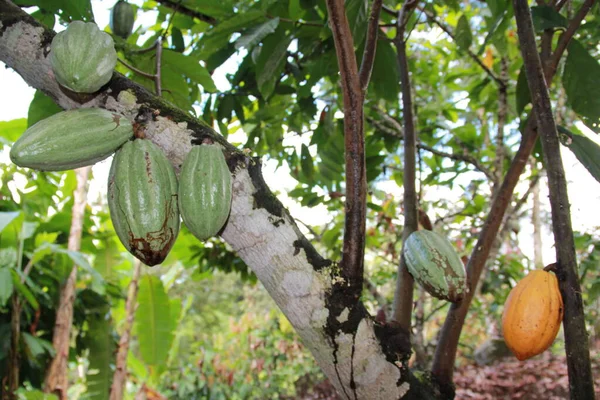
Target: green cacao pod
x: 71, y: 139
x: 435, y: 265
x: 142, y: 199
x: 121, y: 19
x: 83, y: 57
x: 205, y: 191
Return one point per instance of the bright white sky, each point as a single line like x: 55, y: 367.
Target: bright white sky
x: 584, y: 191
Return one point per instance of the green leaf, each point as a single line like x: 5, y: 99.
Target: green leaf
x: 11, y: 130
x: 271, y: 61
x: 256, y: 34
x: 41, y: 107
x: 463, y: 35
x: 295, y: 12
x: 24, y: 290
x: 357, y: 12
x: 581, y: 80
x: 6, y: 285
x: 522, y: 92
x: 153, y: 321
x: 177, y: 40
x: 69, y: 10
x: 586, y: 150
x: 190, y: 67
x: 26, y: 394
x: 99, y: 341
x: 36, y: 347
x: 385, y: 77
x: 546, y: 17
x: 6, y: 217
x: 306, y: 162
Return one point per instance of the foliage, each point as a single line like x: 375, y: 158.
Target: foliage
x: 264, y: 73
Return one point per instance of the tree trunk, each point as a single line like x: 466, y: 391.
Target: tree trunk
x: 120, y: 375
x: 57, y: 375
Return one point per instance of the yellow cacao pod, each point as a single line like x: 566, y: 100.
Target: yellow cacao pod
x: 532, y: 314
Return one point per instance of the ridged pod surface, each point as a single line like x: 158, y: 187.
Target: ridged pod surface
x: 121, y: 19
x: 71, y: 139
x: 142, y: 199
x: 205, y: 191
x: 532, y: 314
x: 83, y: 57
x: 435, y: 265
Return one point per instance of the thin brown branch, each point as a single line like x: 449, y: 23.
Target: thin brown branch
x: 120, y: 375
x: 567, y: 35
x: 445, y: 355
x: 473, y: 56
x: 158, y: 74
x: 298, y: 22
x: 178, y: 7
x: 403, y: 296
x: 398, y: 131
x: 368, y: 59
x: 581, y: 383
x: 460, y: 157
x: 352, y: 262
x: 502, y: 112
x: 137, y: 71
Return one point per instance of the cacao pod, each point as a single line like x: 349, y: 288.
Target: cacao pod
x: 142, y: 199
x: 83, y: 57
x: 71, y: 139
x: 435, y: 265
x: 121, y: 19
x: 205, y: 191
x: 532, y: 314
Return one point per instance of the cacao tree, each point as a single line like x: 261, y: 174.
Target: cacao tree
x: 348, y: 98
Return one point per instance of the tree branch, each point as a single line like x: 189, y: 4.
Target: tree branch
x: 56, y: 381
x: 567, y: 35
x: 120, y: 375
x: 398, y: 131
x: 445, y: 355
x: 366, y: 66
x: 581, y: 383
x: 178, y: 7
x: 352, y: 262
x: 473, y: 56
x: 403, y: 296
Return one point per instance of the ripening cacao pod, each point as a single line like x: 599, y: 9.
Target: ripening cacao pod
x: 532, y: 314
x: 205, y: 191
x: 121, y: 19
x: 71, y: 139
x: 83, y: 57
x: 142, y: 199
x: 435, y: 265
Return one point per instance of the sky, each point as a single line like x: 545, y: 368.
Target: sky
x: 584, y: 191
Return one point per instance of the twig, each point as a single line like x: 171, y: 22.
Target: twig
x: 177, y: 6
x: 397, y: 131
x: 368, y: 59
x: 473, y: 56
x: 158, y: 74
x: 565, y: 38
x: 502, y: 112
x: 137, y: 71
x: 581, y: 383
x: 352, y: 261
x: 298, y: 22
